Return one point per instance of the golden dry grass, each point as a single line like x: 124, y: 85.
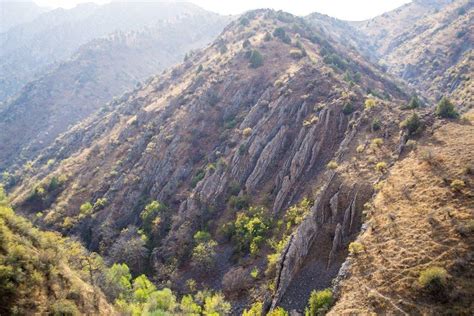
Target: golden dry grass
x: 417, y: 221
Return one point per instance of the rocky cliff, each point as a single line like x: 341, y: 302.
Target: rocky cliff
x: 256, y: 117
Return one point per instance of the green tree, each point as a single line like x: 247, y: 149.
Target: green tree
x: 142, y: 289
x: 151, y: 217
x: 160, y: 301
x: 319, y: 302
x: 256, y: 59
x: 189, y: 307
x: 216, y: 305
x: 118, y: 281
x: 414, y: 103
x: 412, y: 124
x: 446, y: 109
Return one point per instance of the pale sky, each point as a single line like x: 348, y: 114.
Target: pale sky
x: 342, y: 9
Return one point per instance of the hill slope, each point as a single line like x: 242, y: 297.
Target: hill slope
x: 418, y: 220
x: 29, y: 49
x: 99, y: 70
x: 428, y: 44
x: 40, y: 272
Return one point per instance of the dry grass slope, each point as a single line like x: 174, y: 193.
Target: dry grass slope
x: 418, y: 220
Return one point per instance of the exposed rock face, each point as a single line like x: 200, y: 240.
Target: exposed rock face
x: 336, y: 215
x: 215, y: 127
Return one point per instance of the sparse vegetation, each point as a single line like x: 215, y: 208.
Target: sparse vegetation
x: 250, y: 228
x: 413, y: 104
x: 256, y: 59
x: 319, y: 302
x: 381, y: 167
x: 332, y: 165
x: 446, y: 109
x: 348, y: 108
x: 412, y: 125
x: 370, y: 103
x: 457, y: 185
x: 433, y: 279
x: 355, y: 248
x: 280, y: 33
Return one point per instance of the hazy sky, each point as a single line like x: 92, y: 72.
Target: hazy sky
x: 343, y: 9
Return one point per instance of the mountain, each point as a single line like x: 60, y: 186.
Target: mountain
x: 385, y: 31
x: 428, y: 44
x: 283, y: 166
x: 29, y: 49
x: 13, y: 13
x: 240, y: 133
x: 99, y: 70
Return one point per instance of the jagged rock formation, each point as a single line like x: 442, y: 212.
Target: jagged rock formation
x: 256, y: 118
x: 268, y: 130
x: 96, y: 73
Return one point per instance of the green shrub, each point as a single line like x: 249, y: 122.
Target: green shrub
x: 216, y: 305
x: 280, y: 33
x: 457, y: 185
x: 433, y: 279
x: 151, y: 217
x: 100, y: 204
x: 445, y: 109
x: 370, y: 103
x: 355, y: 248
x: 239, y: 202
x: 332, y: 165
x: 319, y: 302
x: 250, y: 227
x: 413, y: 104
x: 296, y: 213
x: 412, y: 124
x: 255, y: 310
x: 85, y: 209
x: 296, y: 54
x: 348, y: 108
x: 375, y: 126
x: 198, y: 177
x: 244, y: 21
x: 202, y: 236
x: 381, y: 167
x: 256, y: 59
x: 204, y: 255
x: 64, y: 308
x: 279, y: 311
x: 199, y: 69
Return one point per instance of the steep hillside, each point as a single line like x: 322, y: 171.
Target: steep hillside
x: 385, y: 31
x: 210, y: 156
x: 29, y: 49
x: 42, y: 273
x: 417, y: 245
x: 429, y: 45
x: 98, y: 71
